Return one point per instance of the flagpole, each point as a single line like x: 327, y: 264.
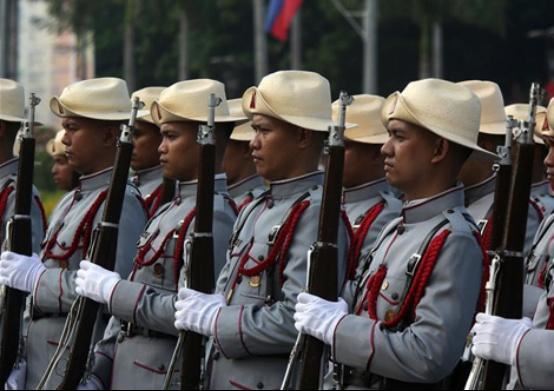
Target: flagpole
x: 260, y: 42
x: 296, y: 42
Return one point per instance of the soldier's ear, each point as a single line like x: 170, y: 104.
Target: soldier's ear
x: 304, y: 137
x: 440, y: 151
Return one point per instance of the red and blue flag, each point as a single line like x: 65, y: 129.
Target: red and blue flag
x: 279, y: 17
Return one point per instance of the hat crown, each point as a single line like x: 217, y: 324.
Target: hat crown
x: 55, y: 146
x: 520, y: 112
x: 12, y: 101
x: 297, y: 93
x: 365, y: 112
x: 447, y: 109
x: 492, y: 102
x: 189, y: 99
x: 148, y: 96
x: 101, y: 95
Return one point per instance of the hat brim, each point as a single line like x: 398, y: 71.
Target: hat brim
x: 493, y: 128
x: 264, y: 108
x: 243, y: 132
x: 360, y: 135
x: 62, y: 111
x: 11, y: 118
x: 450, y: 136
x: 144, y: 115
x: 161, y: 115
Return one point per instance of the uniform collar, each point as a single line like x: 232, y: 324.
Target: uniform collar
x: 540, y: 188
x: 479, y: 190
x: 147, y: 175
x: 420, y: 210
x: 96, y: 181
x: 245, y: 185
x: 188, y: 188
x: 288, y: 187
x: 364, y: 191
x: 9, y: 168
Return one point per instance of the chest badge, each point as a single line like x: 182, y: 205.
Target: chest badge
x: 389, y: 315
x: 255, y: 281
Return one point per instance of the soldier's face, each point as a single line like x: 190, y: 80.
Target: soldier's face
x: 237, y: 161
x: 179, y: 150
x: 408, y: 156
x: 274, y: 148
x: 362, y: 163
x: 62, y: 173
x: 90, y: 144
x: 549, y: 161
x: 146, y: 140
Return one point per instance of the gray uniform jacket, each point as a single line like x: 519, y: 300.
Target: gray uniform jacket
x: 148, y: 180
x: 543, y: 197
x: 428, y: 348
x: 479, y: 200
x: 8, y: 179
x: 143, y: 305
x: 534, y: 364
x: 358, y: 201
x: 254, y: 334
x: 244, y: 191
x: 55, y: 290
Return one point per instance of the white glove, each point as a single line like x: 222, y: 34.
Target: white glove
x: 497, y: 338
x: 18, y: 377
x: 196, y: 311
x: 318, y: 317
x: 20, y: 271
x: 95, y: 282
x: 90, y: 383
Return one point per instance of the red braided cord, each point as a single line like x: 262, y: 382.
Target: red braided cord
x: 294, y: 219
x: 360, y: 235
x: 248, y: 199
x: 373, y: 286
x: 178, y: 251
x: 487, y: 235
x: 4, y: 196
x: 486, y: 271
x: 42, y: 213
x: 550, y: 322
x: 84, y: 230
x: 153, y: 200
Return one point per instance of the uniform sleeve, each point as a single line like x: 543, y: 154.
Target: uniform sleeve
x: 243, y: 330
x: 535, y: 360
x: 155, y: 310
x: 55, y: 289
x: 531, y: 297
x: 104, y: 353
x: 533, y: 222
x: 429, y: 348
x: 38, y: 221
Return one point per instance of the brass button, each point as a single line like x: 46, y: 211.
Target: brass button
x: 159, y: 270
x: 261, y: 257
x: 255, y: 281
x: 389, y: 315
x: 385, y: 285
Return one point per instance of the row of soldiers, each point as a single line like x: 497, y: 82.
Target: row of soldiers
x: 418, y: 185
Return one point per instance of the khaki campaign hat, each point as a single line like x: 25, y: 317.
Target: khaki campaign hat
x: 12, y: 101
x: 446, y: 109
x: 365, y: 111
x: 520, y: 112
x: 188, y: 101
x: 548, y: 131
x: 300, y: 98
x: 242, y: 131
x: 55, y: 147
x: 493, y: 117
x: 106, y: 98
x: 147, y: 95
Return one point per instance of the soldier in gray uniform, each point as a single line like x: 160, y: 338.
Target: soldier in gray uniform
x: 63, y: 174
x: 367, y: 197
x: 478, y: 176
x: 407, y: 322
x: 244, y: 183
x: 12, y: 113
x: 138, y: 344
x: 145, y: 162
x: 250, y: 316
x: 92, y: 111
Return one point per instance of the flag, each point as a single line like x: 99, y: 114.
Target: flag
x: 279, y: 17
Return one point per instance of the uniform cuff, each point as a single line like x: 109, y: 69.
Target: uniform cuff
x: 228, y: 335
x: 125, y: 299
x: 353, y: 341
x: 525, y: 343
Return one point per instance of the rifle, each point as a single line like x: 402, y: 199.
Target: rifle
x: 20, y: 240
x: 199, y: 258
x: 82, y: 319
x: 322, y: 257
x: 505, y: 286
x: 503, y: 169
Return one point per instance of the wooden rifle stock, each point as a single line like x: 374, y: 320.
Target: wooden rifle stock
x: 508, y: 297
x: 20, y: 240
x: 104, y: 251
x: 322, y: 263
x: 200, y: 258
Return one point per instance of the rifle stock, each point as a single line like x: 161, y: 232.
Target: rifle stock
x: 104, y: 251
x: 20, y: 241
